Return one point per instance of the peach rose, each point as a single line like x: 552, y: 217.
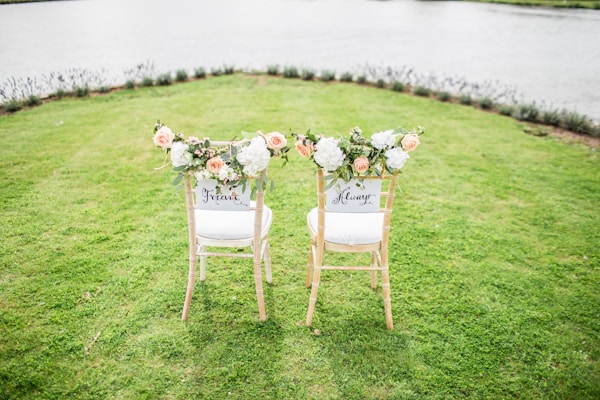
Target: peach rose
x: 305, y: 150
x: 275, y: 140
x: 163, y: 137
x: 215, y: 164
x: 361, y: 164
x: 410, y: 142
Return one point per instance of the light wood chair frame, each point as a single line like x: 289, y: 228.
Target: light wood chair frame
x: 379, y: 250
x: 259, y: 244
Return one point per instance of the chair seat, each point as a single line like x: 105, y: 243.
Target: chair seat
x: 349, y: 228
x: 230, y: 225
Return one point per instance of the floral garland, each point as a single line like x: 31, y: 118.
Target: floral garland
x: 230, y: 165
x: 355, y: 157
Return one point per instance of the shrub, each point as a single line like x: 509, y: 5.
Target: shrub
x: 361, y: 79
x: 380, y: 83
x: 577, y: 123
x: 60, y: 93
x: 465, y: 99
x: 82, y: 91
x: 526, y: 112
x: 486, y: 103
x: 147, y: 81
x: 506, y: 109
x: 398, y: 86
x: 104, y: 89
x: 164, y: 79
x: 199, y: 73
x: 228, y: 69
x: 346, y: 77
x: 33, y: 101
x: 12, y: 106
x: 216, y: 71
x: 308, y: 74
x: 535, y: 131
x: 551, y: 117
x: 130, y: 84
x: 444, y: 96
x: 272, y: 69
x: 327, y: 75
x: 181, y: 75
x: 290, y: 72
x: 421, y: 91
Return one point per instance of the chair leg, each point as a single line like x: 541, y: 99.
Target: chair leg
x: 258, y: 283
x: 387, y: 301
x: 190, y: 284
x: 310, y: 265
x: 374, y: 272
x: 267, y: 255
x: 202, y: 265
x: 313, y: 295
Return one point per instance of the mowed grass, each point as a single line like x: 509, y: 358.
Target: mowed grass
x: 495, y: 261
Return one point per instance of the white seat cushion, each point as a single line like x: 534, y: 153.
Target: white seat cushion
x: 349, y: 228
x: 230, y: 225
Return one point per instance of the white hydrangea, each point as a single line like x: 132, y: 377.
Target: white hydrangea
x: 328, y: 155
x: 396, y: 158
x: 255, y: 157
x: 383, y: 140
x: 180, y: 155
x: 202, y: 175
x: 227, y: 173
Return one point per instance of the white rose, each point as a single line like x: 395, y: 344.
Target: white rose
x: 180, y: 155
x: 383, y: 140
x: 255, y: 157
x: 328, y: 155
x: 396, y: 158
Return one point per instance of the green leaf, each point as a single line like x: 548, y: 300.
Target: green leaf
x: 178, y: 179
x: 329, y: 185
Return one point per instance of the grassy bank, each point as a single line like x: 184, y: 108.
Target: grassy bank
x: 495, y: 264
x: 592, y: 4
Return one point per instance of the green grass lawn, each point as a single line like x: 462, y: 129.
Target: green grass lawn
x: 495, y: 261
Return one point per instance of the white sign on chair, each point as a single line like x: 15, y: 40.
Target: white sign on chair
x: 354, y: 196
x: 227, y: 199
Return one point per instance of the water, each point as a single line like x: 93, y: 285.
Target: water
x: 548, y: 55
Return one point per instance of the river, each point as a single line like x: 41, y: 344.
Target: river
x: 549, y: 56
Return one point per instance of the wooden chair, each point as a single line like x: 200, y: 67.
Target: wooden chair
x: 351, y: 232
x: 225, y: 228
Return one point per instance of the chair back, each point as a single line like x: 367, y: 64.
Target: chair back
x: 209, y: 196
x: 354, y: 196
x: 369, y: 194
